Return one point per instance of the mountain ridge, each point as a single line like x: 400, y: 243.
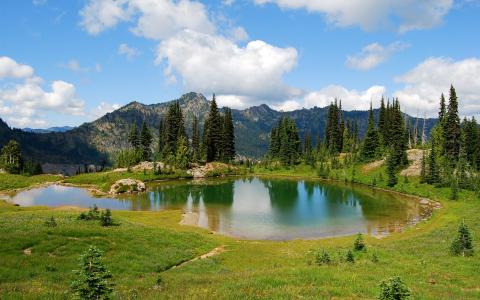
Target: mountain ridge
x: 108, y: 133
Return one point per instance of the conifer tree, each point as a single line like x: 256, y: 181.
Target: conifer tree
x: 146, y: 142
x: 423, y: 170
x: 470, y: 141
x: 228, y: 137
x: 382, y: 121
x: 433, y: 173
x: 93, y: 278
x: 133, y: 139
x: 391, y: 172
x: 371, y: 143
x: 443, y: 109
x: 174, y: 128
x: 195, y: 140
x: 452, y: 130
x: 285, y: 141
x: 182, y: 155
x: 161, y: 137
x: 11, y: 157
x: 393, y: 289
x: 462, y: 244
x: 213, y: 132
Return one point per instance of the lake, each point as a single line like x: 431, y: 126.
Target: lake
x: 257, y: 208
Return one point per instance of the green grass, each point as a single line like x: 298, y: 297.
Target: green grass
x: 11, y: 181
x: 146, y: 243
x: 104, y: 180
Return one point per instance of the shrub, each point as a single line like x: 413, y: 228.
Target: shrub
x: 92, y: 214
x: 92, y: 280
x: 106, y: 218
x: 393, y: 289
x: 359, y: 244
x: 322, y: 258
x: 50, y: 222
x: 462, y: 244
x: 350, y: 258
x: 375, y: 258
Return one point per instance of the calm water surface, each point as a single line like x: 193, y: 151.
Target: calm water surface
x: 257, y: 208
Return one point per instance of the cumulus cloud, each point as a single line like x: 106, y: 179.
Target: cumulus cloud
x: 129, y: 52
x: 373, y: 55
x: 155, y: 19
x: 23, y: 102
x: 11, y: 69
x: 102, y: 109
x: 405, y: 15
x: 425, y: 82
x: 351, y: 99
x: 212, y: 63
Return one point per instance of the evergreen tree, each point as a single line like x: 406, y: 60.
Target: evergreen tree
x: 11, y: 157
x: 334, y: 129
x: 174, y: 128
x: 161, y: 137
x: 93, y: 278
x: 359, y: 244
x: 391, y: 172
x: 133, y: 139
x: 470, y: 141
x: 382, y: 121
x: 443, y: 109
x: 195, y: 140
x: 423, y: 170
x: 213, y: 132
x: 285, y: 142
x: 370, y: 144
x: 398, y: 135
x: 228, y: 137
x: 349, y: 257
x: 182, y: 154
x: 145, y: 142
x: 451, y: 129
x: 462, y: 244
x: 393, y: 289
x: 433, y: 172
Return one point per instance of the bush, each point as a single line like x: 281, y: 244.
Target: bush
x: 92, y: 214
x: 359, y: 244
x: 93, y: 277
x: 462, y: 244
x: 106, y: 218
x: 51, y: 222
x: 322, y: 258
x: 393, y: 289
x: 350, y: 258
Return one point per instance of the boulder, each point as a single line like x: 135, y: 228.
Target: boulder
x: 128, y: 185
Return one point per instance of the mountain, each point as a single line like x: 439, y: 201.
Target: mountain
x: 92, y: 142
x: 48, y: 130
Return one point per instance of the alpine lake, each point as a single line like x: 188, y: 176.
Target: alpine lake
x: 258, y: 208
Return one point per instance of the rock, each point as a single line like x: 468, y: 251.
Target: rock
x: 128, y: 185
x: 424, y: 202
x: 213, y: 169
x: 2, y: 171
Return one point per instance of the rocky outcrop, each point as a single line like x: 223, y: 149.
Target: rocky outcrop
x: 213, y: 169
x: 128, y: 185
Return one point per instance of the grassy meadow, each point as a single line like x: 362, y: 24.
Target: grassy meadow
x: 37, y: 260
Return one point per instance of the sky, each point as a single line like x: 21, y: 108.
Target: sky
x: 69, y: 62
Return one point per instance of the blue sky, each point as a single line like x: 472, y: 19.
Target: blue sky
x: 67, y: 62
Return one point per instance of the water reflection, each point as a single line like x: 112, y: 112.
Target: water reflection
x: 257, y: 208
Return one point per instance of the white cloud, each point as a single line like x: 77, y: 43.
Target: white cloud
x: 211, y: 64
x: 39, y: 2
x: 102, y: 109
x: 238, y: 34
x: 155, y: 19
x: 351, y: 99
x: 228, y: 2
x: 99, y: 15
x: 405, y: 15
x: 11, y: 69
x: 24, y: 102
x: 373, y: 55
x: 425, y: 83
x: 75, y: 66
x: 129, y: 52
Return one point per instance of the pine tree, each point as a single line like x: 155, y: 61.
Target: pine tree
x: 452, y: 130
x: 174, y: 128
x: 93, y: 278
x: 228, y: 137
x: 423, y: 170
x: 285, y: 142
x: 182, y: 154
x: 359, y: 244
x: 470, y: 141
x: 370, y: 144
x: 398, y: 135
x: 433, y: 172
x: 462, y: 244
x: 145, y: 142
x: 161, y: 137
x: 391, y: 172
x: 11, y: 157
x: 443, y: 109
x: 213, y: 132
x: 133, y: 139
x: 195, y: 140
x: 382, y: 121
x: 349, y: 257
x: 393, y: 289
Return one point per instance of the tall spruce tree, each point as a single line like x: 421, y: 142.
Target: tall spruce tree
x: 161, y: 137
x: 398, y: 135
x: 195, y: 140
x: 433, y: 175
x: 470, y: 141
x: 133, y: 139
x: 370, y: 146
x: 382, y: 121
x: 333, y: 128
x: 391, y: 169
x: 11, y: 157
x: 228, y: 137
x: 174, y: 128
x: 451, y: 129
x: 145, y: 142
x: 285, y: 142
x: 213, y: 132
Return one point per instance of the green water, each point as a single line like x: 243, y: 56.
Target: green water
x: 258, y: 208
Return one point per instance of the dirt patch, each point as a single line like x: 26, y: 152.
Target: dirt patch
x: 415, y: 167
x: 190, y: 218
x: 373, y: 165
x: 27, y: 251
x: 214, y: 252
